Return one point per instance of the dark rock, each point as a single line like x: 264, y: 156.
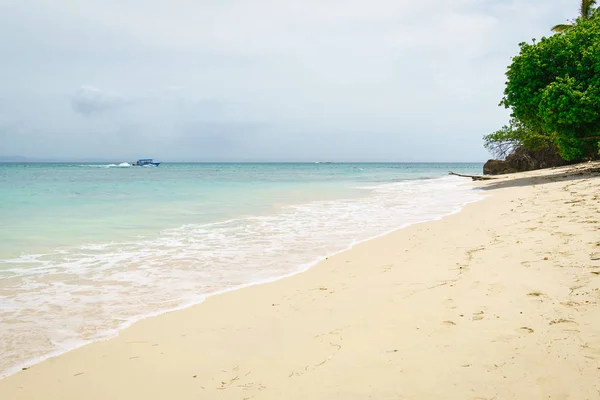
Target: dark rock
x: 523, y: 160
x: 497, y: 167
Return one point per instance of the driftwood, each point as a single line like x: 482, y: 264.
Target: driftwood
x: 474, y: 177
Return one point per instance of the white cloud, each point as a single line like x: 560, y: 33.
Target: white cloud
x: 304, y: 75
x: 88, y: 100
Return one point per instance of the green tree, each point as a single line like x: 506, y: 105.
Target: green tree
x: 515, y: 135
x: 553, y: 88
x: 586, y: 10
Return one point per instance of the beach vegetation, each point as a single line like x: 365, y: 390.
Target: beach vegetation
x: 553, y: 92
x: 586, y: 10
x: 515, y: 135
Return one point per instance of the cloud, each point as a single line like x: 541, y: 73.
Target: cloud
x: 88, y: 100
x: 7, y: 124
x: 272, y: 80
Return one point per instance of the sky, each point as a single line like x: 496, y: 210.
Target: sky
x: 240, y: 80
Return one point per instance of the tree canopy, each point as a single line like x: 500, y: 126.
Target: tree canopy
x: 553, y: 90
x: 586, y: 10
x: 509, y: 138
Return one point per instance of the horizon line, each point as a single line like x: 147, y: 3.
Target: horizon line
x: 95, y: 161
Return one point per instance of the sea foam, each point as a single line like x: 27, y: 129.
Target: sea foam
x: 54, y: 302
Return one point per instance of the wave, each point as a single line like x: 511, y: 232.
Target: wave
x: 121, y: 165
x: 84, y: 294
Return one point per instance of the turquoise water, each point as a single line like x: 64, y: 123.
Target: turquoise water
x: 87, y: 249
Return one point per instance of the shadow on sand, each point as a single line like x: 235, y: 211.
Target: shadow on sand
x: 539, y: 180
x: 560, y: 174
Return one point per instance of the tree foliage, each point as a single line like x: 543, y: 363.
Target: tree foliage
x: 553, y: 89
x: 586, y: 10
x: 510, y: 137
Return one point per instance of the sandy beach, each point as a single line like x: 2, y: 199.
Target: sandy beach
x: 499, y: 301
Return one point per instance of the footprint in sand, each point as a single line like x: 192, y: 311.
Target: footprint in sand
x: 562, y: 321
x: 525, y: 329
x: 566, y: 325
x: 535, y: 294
x: 478, y: 316
x: 570, y: 303
x: 450, y: 304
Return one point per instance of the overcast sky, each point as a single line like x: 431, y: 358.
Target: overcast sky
x: 233, y: 80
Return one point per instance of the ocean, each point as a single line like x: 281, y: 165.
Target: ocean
x: 88, y: 249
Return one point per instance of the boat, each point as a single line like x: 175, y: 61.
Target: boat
x: 146, y: 162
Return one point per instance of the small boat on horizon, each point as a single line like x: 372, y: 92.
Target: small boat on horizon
x: 146, y: 162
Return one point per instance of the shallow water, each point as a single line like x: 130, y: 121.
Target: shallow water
x: 88, y: 249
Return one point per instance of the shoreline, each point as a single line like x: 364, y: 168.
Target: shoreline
x: 436, y: 300
x: 114, y: 333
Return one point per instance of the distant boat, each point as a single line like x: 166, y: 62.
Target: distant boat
x: 146, y: 162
